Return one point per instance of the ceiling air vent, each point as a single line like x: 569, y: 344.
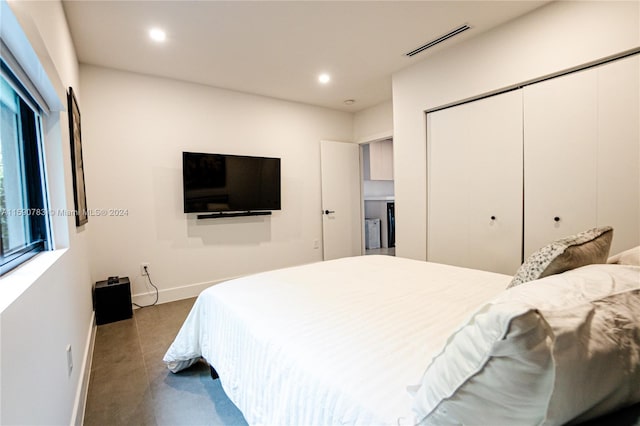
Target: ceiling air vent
x: 440, y: 39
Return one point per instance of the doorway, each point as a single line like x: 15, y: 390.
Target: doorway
x: 378, y: 197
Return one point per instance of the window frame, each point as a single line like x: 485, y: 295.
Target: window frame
x: 36, y: 210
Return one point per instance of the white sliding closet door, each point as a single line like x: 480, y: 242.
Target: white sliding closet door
x: 619, y: 151
x: 475, y: 184
x: 560, y: 158
x: 582, y: 155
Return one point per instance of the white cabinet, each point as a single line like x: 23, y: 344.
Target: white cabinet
x: 475, y: 184
x: 381, y: 160
x: 547, y: 161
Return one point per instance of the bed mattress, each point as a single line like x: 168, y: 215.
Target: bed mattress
x: 334, y: 342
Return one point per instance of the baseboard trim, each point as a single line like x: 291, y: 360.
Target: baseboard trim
x: 173, y: 294
x: 164, y: 296
x: 80, y: 404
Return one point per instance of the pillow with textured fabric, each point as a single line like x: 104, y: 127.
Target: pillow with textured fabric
x: 585, y: 248
x: 627, y: 257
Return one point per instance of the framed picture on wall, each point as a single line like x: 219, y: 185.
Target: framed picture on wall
x: 77, y: 165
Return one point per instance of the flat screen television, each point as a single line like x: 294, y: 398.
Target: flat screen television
x: 229, y: 183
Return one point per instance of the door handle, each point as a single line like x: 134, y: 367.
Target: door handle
x: 329, y: 211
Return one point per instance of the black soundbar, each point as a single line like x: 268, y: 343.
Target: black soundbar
x: 233, y: 214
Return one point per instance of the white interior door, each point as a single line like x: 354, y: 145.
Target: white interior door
x: 341, y: 227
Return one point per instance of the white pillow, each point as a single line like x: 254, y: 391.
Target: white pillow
x: 627, y: 257
x: 545, y: 352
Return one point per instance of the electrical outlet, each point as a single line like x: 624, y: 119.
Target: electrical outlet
x: 69, y: 360
x: 142, y: 267
x: 316, y: 244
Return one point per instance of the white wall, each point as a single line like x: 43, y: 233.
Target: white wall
x: 135, y: 128
x: 55, y: 309
x: 555, y: 37
x: 373, y: 123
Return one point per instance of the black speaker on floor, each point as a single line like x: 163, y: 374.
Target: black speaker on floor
x: 112, y: 300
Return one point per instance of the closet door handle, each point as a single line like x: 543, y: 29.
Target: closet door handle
x: 556, y: 219
x: 329, y: 211
x: 493, y: 218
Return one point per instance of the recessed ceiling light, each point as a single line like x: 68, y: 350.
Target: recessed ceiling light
x: 157, y: 34
x: 324, y: 78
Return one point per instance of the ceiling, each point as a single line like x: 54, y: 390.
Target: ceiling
x: 278, y: 48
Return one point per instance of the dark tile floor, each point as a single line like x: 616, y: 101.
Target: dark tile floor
x: 130, y: 384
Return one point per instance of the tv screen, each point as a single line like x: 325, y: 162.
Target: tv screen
x: 229, y: 183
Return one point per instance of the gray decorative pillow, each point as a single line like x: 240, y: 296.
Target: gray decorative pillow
x: 582, y: 249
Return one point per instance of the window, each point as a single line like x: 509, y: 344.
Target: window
x: 24, y: 221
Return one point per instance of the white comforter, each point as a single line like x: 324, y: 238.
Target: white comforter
x: 334, y: 342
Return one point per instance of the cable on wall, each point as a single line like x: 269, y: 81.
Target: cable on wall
x: 146, y: 270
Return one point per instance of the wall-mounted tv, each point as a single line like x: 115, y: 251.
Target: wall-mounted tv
x: 229, y: 183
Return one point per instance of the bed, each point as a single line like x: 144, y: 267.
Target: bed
x: 380, y: 340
